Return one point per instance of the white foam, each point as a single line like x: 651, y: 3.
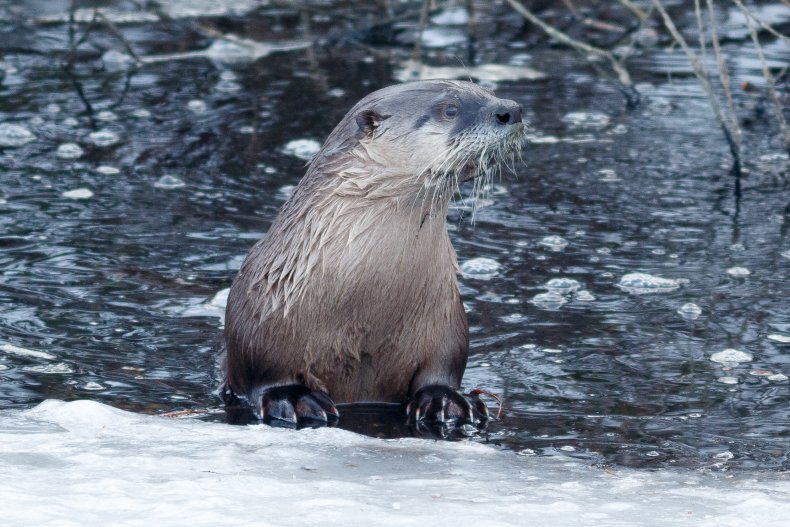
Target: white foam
x: 25, y: 352
x: 481, y: 268
x: 12, y: 135
x: 731, y: 355
x: 169, y: 182
x: 554, y: 243
x: 643, y: 283
x: 93, y: 465
x: 69, y: 151
x: 104, y: 137
x: 302, y: 148
x: 78, y: 193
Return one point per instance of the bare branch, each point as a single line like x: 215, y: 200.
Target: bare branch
x: 777, y: 104
x: 622, y: 74
x: 700, y: 72
x: 636, y: 10
x: 724, y: 75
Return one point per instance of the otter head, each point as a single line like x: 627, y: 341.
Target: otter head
x: 429, y: 134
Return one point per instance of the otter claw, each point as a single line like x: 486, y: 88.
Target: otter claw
x: 295, y: 406
x: 443, y: 408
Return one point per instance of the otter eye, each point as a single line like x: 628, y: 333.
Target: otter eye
x: 450, y: 111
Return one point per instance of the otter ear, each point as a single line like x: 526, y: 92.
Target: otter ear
x: 369, y: 120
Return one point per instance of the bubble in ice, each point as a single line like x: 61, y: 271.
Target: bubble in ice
x: 563, y: 286
x: 247, y: 130
x: 690, y: 311
x: 643, y: 283
x: 141, y: 113
x: 52, y: 108
x: 726, y: 455
x: 71, y: 122
x: 481, y: 268
x: 60, y: 368
x: 777, y: 377
x: 197, y: 106
x: 550, y: 300
x: 738, y: 272
x: 584, y: 296
x: 106, y: 116
x: 93, y: 386
x: 568, y: 448
x: 12, y: 135
x: 652, y: 453
x: 107, y: 170
x: 78, y: 193
x: 227, y: 86
x: 782, y: 339
x: 36, y: 120
x: 728, y: 380
x: 69, y: 151
x: 731, y: 355
x: 302, y: 148
x: 554, y: 243
x: 608, y: 175
x: 586, y: 119
x: 514, y: 318
x: 169, y: 182
x: 103, y: 137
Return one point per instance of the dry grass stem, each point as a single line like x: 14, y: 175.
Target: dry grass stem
x: 762, y: 24
x: 769, y: 78
x: 701, y: 72
x: 622, y: 74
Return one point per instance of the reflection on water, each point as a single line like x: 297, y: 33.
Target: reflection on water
x: 621, y: 301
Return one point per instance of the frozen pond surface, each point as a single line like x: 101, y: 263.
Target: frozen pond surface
x: 84, y: 464
x: 604, y: 281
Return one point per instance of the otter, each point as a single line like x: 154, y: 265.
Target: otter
x: 352, y: 295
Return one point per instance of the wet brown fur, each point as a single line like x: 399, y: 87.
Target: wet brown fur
x: 353, y: 290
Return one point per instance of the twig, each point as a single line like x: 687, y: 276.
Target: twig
x: 724, y: 75
x: 622, y: 74
x: 635, y: 9
x: 777, y: 104
x: 416, y: 55
x: 699, y: 71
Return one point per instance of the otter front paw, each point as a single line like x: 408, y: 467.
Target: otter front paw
x: 445, y: 410
x: 295, y: 406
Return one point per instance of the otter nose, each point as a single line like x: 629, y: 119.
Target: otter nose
x: 508, y: 112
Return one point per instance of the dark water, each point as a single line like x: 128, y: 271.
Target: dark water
x: 108, y: 290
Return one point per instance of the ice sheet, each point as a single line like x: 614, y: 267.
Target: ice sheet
x: 83, y: 463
